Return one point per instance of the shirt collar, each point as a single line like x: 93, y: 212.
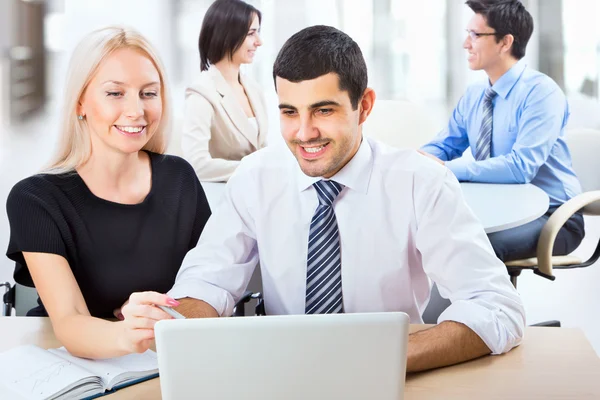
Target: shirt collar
x: 506, y: 82
x: 355, y: 175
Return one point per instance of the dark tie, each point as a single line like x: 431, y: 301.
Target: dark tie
x: 484, y: 142
x: 324, y: 264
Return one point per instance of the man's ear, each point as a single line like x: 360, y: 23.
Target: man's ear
x: 366, y: 104
x: 507, y: 43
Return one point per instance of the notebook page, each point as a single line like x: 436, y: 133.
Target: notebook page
x: 130, y: 365
x: 34, y: 373
x: 6, y: 393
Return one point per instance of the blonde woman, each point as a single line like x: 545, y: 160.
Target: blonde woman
x: 112, y: 215
x: 225, y: 112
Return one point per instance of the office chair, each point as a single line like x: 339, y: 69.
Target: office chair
x: 240, y: 307
x: 8, y: 299
x: 21, y: 298
x: 584, y: 145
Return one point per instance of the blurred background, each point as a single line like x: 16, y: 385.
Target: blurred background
x: 413, y: 48
x: 413, y: 51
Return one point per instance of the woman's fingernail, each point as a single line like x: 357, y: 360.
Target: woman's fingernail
x: 120, y: 316
x: 172, y: 302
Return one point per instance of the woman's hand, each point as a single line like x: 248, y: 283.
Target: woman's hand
x: 139, y: 317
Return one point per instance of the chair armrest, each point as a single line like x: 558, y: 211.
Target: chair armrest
x: 239, y: 310
x: 556, y: 221
x: 8, y: 299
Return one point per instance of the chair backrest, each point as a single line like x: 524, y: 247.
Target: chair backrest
x: 5, y: 295
x: 400, y: 123
x: 25, y: 299
x: 584, y: 145
x: 19, y: 297
x: 436, y: 306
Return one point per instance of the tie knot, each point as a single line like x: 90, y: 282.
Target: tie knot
x: 490, y: 94
x: 327, y: 191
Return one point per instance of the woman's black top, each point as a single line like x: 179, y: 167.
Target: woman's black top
x: 113, y: 249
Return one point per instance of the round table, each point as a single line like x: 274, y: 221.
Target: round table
x: 498, y: 206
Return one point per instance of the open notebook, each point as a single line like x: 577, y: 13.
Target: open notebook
x: 35, y: 373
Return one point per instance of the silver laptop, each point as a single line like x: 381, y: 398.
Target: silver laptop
x: 332, y: 356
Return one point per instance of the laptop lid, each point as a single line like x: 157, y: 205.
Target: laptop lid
x: 330, y: 356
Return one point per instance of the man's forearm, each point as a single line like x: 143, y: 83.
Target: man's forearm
x: 193, y: 308
x: 444, y: 344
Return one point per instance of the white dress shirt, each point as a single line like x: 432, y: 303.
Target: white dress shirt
x: 402, y: 219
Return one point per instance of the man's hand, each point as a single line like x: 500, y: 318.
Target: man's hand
x: 434, y: 158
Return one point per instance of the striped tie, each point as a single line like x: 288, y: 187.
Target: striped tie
x: 324, y: 265
x: 484, y: 143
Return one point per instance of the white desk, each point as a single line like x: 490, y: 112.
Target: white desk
x: 498, y: 207
x: 552, y: 363
x: 502, y: 207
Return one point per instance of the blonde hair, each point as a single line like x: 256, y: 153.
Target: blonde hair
x: 75, y: 147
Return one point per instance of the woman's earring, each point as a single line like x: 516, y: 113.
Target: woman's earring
x: 80, y: 117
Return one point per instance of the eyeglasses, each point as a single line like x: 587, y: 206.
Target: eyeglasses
x: 474, y: 35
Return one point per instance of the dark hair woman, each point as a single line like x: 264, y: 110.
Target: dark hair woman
x: 225, y: 112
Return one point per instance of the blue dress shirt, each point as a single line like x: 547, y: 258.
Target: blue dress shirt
x: 528, y: 135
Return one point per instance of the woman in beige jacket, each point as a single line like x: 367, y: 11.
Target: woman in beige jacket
x: 225, y: 113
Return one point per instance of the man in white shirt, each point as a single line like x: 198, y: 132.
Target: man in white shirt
x: 347, y: 224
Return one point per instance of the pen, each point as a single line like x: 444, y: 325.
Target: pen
x: 171, y: 312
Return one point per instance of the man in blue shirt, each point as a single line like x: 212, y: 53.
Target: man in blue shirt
x: 514, y: 124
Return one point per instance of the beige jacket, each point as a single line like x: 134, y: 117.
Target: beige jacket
x: 216, y: 131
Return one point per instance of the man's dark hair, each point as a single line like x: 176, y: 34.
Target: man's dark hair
x: 224, y: 29
x: 319, y: 50
x: 506, y: 17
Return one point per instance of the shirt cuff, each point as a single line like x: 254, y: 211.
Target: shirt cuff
x: 220, y: 299
x: 459, y: 168
x: 485, y: 323
x: 435, y: 151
